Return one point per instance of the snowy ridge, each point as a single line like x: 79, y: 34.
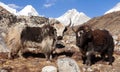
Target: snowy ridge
x: 76, y: 17
x: 28, y: 11
x: 11, y: 10
x: 114, y: 9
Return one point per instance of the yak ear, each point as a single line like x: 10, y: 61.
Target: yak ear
x: 65, y: 29
x: 78, y: 34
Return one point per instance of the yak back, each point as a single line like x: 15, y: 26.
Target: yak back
x: 100, y: 37
x: 37, y: 34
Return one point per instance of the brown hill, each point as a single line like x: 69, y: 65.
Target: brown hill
x: 109, y: 21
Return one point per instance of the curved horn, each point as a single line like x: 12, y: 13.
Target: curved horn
x: 73, y: 28
x: 70, y: 23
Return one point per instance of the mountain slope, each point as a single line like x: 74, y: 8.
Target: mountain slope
x: 109, y: 21
x: 11, y: 10
x: 76, y: 17
x: 28, y: 11
x: 114, y: 9
x: 3, y: 11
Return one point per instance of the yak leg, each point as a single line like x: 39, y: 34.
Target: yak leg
x: 47, y: 58
x: 47, y: 55
x: 110, y: 58
x: 84, y: 58
x: 88, y: 59
x: 20, y: 54
x: 50, y: 57
x: 103, y: 56
x: 89, y: 56
x: 13, y: 53
x: 10, y: 55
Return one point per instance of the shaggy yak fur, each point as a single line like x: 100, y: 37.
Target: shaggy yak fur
x: 33, y: 39
x: 94, y: 42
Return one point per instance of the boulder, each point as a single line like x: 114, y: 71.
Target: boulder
x: 67, y: 65
x: 49, y: 69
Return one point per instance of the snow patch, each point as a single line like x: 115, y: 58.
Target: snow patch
x: 114, y: 9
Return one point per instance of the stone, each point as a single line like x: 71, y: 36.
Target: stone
x: 67, y: 65
x: 49, y: 69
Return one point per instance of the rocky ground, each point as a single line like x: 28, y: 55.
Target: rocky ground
x: 35, y: 63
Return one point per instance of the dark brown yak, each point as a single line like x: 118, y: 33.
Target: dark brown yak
x: 92, y: 42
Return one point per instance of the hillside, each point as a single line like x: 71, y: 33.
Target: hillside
x: 109, y: 21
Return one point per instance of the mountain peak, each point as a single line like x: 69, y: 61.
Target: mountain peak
x: 75, y: 16
x: 30, y: 6
x: 28, y: 11
x: 72, y: 10
x: 114, y: 9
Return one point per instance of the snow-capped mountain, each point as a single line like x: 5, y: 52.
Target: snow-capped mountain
x: 11, y: 10
x: 114, y: 9
x: 76, y: 17
x: 28, y: 11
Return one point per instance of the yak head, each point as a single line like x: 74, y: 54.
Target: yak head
x: 83, y: 35
x: 60, y: 28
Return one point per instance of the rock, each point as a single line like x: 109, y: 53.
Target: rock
x: 67, y: 65
x: 49, y: 69
x: 2, y: 70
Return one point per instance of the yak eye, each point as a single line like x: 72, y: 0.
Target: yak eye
x: 81, y: 32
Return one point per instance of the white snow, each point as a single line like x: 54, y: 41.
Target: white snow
x: 114, y: 9
x: 76, y: 17
x: 11, y: 10
x: 28, y: 11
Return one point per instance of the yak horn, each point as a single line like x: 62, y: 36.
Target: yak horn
x: 73, y: 28
x: 69, y: 23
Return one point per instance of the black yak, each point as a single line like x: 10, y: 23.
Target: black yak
x: 92, y: 42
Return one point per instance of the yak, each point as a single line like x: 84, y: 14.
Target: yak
x: 93, y: 42
x: 34, y: 39
x: 37, y: 39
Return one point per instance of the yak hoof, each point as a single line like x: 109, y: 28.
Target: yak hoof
x: 110, y: 63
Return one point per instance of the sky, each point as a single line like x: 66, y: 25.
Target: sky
x: 56, y: 8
